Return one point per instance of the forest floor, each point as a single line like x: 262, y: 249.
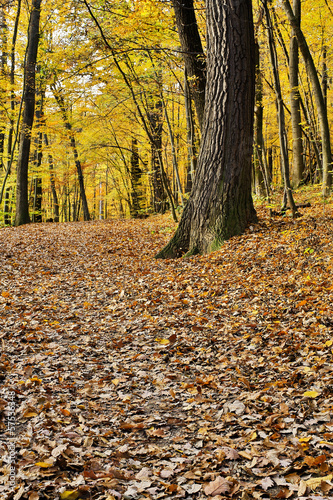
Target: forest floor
x: 136, y: 378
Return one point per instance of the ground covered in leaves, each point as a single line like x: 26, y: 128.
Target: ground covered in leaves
x: 125, y: 377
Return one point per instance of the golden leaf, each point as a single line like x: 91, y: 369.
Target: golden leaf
x: 316, y: 481
x: 163, y: 341
x: 305, y: 439
x: 311, y: 394
x: 69, y: 495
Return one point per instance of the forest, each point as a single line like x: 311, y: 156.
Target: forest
x: 132, y: 133
x: 115, y: 121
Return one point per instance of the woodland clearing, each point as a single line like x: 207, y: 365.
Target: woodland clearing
x: 208, y: 377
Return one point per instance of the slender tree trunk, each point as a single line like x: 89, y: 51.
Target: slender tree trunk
x: 22, y: 202
x: 135, y: 173
x: 38, y: 183
x: 162, y: 192
x: 10, y: 146
x: 324, y: 76
x: 173, y: 154
x: 61, y: 103
x: 3, y: 74
x: 220, y: 204
x: 318, y: 94
x: 295, y: 105
x: 281, y: 119
x: 191, y: 148
x: 193, y: 54
x: 258, y: 134
x: 6, y: 208
x: 52, y: 182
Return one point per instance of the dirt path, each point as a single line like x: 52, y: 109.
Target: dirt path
x: 198, y: 378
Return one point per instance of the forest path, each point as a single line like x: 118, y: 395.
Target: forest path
x: 208, y: 377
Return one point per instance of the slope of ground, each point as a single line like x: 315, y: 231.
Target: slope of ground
x: 126, y: 377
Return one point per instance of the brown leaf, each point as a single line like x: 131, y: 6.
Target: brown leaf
x: 218, y: 486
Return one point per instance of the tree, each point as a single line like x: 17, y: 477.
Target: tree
x: 193, y: 54
x: 318, y: 95
x: 280, y: 116
x: 56, y: 89
x: 220, y: 204
x: 295, y: 104
x: 22, y: 204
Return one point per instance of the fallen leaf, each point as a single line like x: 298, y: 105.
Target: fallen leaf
x: 70, y: 495
x: 267, y: 483
x: 219, y: 486
x: 311, y: 394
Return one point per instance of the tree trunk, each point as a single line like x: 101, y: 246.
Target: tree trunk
x: 318, y: 94
x: 155, y: 119
x: 61, y: 103
x: 22, y: 203
x: 259, y: 182
x: 179, y: 189
x: 193, y: 54
x: 10, y: 146
x: 52, y: 182
x: 324, y: 75
x: 281, y: 119
x: 135, y: 173
x: 295, y: 106
x: 3, y: 74
x: 191, y: 148
x: 38, y: 182
x: 7, y: 217
x: 220, y: 204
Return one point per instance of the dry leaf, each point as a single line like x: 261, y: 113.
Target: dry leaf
x: 267, y: 483
x: 311, y: 394
x: 219, y: 486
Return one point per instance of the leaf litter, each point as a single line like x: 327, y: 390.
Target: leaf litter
x: 137, y: 378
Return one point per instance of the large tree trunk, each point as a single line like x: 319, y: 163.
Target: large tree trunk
x: 220, y: 204
x: 318, y: 94
x: 193, y: 54
x: 295, y: 105
x: 22, y: 204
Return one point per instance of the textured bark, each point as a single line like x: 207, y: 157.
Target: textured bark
x: 295, y: 105
x: 319, y: 98
x: 22, y: 204
x: 193, y: 54
x: 220, y: 204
